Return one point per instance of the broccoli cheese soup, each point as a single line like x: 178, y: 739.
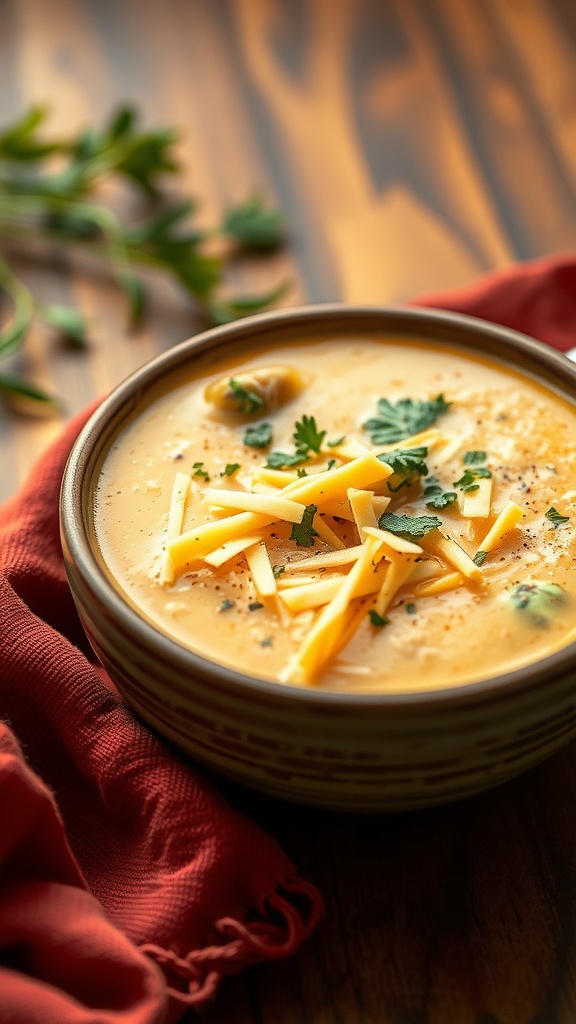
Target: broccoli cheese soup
x: 368, y: 515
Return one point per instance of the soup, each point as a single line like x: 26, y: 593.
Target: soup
x: 369, y: 515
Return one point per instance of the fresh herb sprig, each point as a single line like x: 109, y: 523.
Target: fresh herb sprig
x: 50, y: 193
x: 398, y: 420
x: 408, y: 527
x: 307, y: 439
x: 408, y: 466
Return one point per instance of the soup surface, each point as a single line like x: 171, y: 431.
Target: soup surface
x: 370, y: 515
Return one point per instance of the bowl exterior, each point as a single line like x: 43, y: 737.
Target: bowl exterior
x: 348, y: 752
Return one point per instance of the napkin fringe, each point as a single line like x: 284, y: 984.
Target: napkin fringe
x: 249, y: 942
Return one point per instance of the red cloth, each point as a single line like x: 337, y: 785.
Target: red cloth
x: 123, y: 847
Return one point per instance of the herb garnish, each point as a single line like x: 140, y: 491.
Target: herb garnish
x: 556, y: 518
x: 277, y: 570
x: 436, y: 497
x: 258, y: 437
x: 226, y: 605
x: 411, y: 608
x: 247, y: 401
x: 376, y: 619
x: 267, y: 642
x: 199, y: 470
x: 338, y: 441
x: 254, y: 606
x: 480, y: 557
x: 303, y: 533
x: 407, y: 464
x: 59, y: 205
x: 472, y: 458
x: 397, y: 420
x: 307, y: 437
x: 278, y: 460
x: 230, y: 468
x: 408, y: 527
x: 467, y: 481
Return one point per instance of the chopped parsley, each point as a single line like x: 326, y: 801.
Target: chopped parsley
x: 254, y: 606
x: 301, y: 472
x: 436, y: 497
x: 247, y: 401
x: 556, y: 518
x: 467, y: 481
x: 338, y: 441
x: 473, y: 458
x: 397, y: 420
x: 258, y: 437
x: 307, y: 437
x: 480, y: 557
x: 267, y: 642
x: 226, y: 605
x: 408, y: 527
x: 331, y: 464
x: 230, y: 468
x: 411, y: 608
x: 377, y: 620
x: 407, y: 464
x: 278, y: 460
x: 277, y: 571
x: 199, y: 470
x: 303, y: 533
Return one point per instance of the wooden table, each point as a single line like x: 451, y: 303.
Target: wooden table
x: 412, y: 144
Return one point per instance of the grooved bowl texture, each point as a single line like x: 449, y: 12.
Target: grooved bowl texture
x: 359, y: 752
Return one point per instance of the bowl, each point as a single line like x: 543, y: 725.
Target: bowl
x: 349, y: 751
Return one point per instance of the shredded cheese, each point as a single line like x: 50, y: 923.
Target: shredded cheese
x: 476, y: 504
x: 334, y: 483
x: 278, y: 507
x: 261, y: 569
x: 180, y: 490
x: 507, y: 520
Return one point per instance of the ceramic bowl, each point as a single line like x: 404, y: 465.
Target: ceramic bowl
x: 360, y: 752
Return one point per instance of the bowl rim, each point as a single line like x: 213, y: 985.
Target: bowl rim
x: 122, y: 400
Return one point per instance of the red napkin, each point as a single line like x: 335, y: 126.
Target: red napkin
x: 116, y: 856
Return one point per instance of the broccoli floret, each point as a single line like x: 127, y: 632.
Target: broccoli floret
x: 538, y: 601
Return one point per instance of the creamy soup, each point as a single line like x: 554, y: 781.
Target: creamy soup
x: 370, y: 515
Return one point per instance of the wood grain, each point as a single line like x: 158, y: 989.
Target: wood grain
x: 413, y: 144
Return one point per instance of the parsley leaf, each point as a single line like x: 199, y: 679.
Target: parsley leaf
x: 436, y: 497
x: 230, y: 468
x: 277, y: 571
x: 226, y: 604
x: 338, y: 441
x: 556, y: 518
x: 199, y: 470
x: 253, y: 224
x: 397, y: 420
x: 408, y: 527
x: 472, y: 458
x: 247, y: 401
x: 480, y: 557
x: 376, y: 619
x: 303, y: 533
x: 307, y: 437
x: 408, y: 464
x: 278, y: 460
x: 467, y: 481
x: 258, y: 437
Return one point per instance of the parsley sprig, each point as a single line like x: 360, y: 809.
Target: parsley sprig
x: 303, y: 533
x: 50, y: 194
x: 408, y: 466
x: 408, y: 527
x: 556, y: 518
x: 408, y: 416
x: 307, y: 439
